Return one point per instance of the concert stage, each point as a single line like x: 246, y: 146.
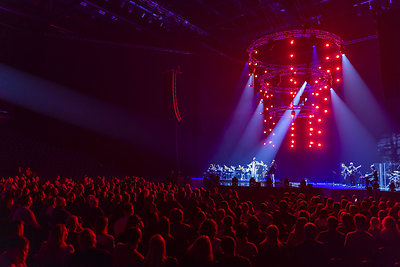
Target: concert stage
x: 261, y: 192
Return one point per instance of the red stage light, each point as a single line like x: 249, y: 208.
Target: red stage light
x: 319, y: 144
x: 291, y: 79
x: 319, y: 132
x: 327, y: 58
x: 319, y: 67
x: 292, y: 141
x: 317, y: 107
x: 292, y: 135
x: 319, y: 120
x: 337, y: 68
x: 256, y: 76
x: 310, y: 146
x: 327, y: 44
x: 270, y: 130
x: 338, y: 80
x: 326, y: 111
x: 291, y: 68
x: 295, y: 82
x: 292, y: 128
x: 291, y: 55
x: 328, y: 71
x: 316, y: 81
x: 292, y: 42
x: 311, y: 129
x: 311, y: 142
x: 265, y: 71
x: 310, y: 134
x: 255, y: 63
x: 264, y: 143
x: 317, y: 94
x: 265, y: 132
x: 337, y: 56
x: 265, y: 120
x: 256, y: 52
x: 260, y: 90
x: 326, y: 99
x: 292, y: 146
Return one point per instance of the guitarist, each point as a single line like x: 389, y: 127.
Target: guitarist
x: 351, y: 173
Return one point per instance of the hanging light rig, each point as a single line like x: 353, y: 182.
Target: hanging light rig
x: 281, y: 62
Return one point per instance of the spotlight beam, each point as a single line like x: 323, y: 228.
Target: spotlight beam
x: 356, y: 142
x: 278, y: 134
x: 52, y: 100
x: 362, y: 102
x: 239, y: 119
x: 250, y: 140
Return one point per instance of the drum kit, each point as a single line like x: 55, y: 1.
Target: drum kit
x: 394, y: 177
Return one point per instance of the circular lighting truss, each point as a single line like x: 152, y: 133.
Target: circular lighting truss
x: 300, y: 111
x: 281, y: 63
x: 301, y: 72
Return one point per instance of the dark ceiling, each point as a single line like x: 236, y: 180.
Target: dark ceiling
x: 223, y: 25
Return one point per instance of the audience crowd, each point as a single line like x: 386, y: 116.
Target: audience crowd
x: 133, y: 222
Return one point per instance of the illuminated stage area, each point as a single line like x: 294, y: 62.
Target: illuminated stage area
x: 305, y: 87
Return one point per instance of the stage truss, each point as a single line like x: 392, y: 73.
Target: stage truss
x: 280, y: 63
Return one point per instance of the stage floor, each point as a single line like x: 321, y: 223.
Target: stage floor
x: 334, y: 190
x: 228, y: 182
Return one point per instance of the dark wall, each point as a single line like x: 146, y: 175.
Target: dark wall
x: 389, y: 38
x: 388, y: 28
x: 136, y: 82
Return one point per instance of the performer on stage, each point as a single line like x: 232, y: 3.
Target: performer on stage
x: 372, y: 178
x: 350, y: 173
x: 253, y: 168
x: 271, y: 172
